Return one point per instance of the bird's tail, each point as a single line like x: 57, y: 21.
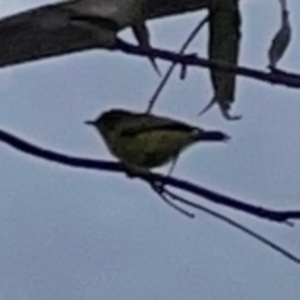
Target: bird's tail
x: 212, y: 136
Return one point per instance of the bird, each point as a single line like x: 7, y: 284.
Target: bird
x: 77, y: 25
x: 144, y: 141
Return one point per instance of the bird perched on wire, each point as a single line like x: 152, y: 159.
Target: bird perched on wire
x: 143, y: 141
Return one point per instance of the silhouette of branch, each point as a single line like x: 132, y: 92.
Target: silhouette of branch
x: 166, y: 77
x: 152, y: 178
x: 236, y: 225
x: 278, y: 77
x: 163, y: 194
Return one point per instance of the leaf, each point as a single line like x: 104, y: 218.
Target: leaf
x: 224, y: 42
x: 280, y: 41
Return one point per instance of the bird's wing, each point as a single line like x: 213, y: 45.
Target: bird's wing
x: 40, y: 33
x: 150, y: 123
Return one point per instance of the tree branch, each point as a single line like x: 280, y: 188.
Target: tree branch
x: 26, y: 147
x: 278, y: 77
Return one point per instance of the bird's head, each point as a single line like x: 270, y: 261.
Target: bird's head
x: 110, y: 119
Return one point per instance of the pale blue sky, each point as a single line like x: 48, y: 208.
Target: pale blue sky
x: 75, y: 234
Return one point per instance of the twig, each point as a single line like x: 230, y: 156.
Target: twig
x: 163, y: 82
x: 237, y: 225
x: 291, y: 80
x: 160, y: 191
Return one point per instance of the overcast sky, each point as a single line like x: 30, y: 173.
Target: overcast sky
x: 79, y: 234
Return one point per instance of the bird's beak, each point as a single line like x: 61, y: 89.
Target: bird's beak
x: 90, y: 123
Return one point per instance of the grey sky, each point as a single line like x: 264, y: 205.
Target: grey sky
x: 74, y: 234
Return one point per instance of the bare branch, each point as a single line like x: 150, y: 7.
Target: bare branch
x: 185, y: 45
x: 163, y: 194
x: 237, y: 225
x: 280, y: 78
x: 215, y: 197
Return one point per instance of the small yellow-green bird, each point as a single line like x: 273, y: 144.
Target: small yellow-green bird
x: 144, y: 141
